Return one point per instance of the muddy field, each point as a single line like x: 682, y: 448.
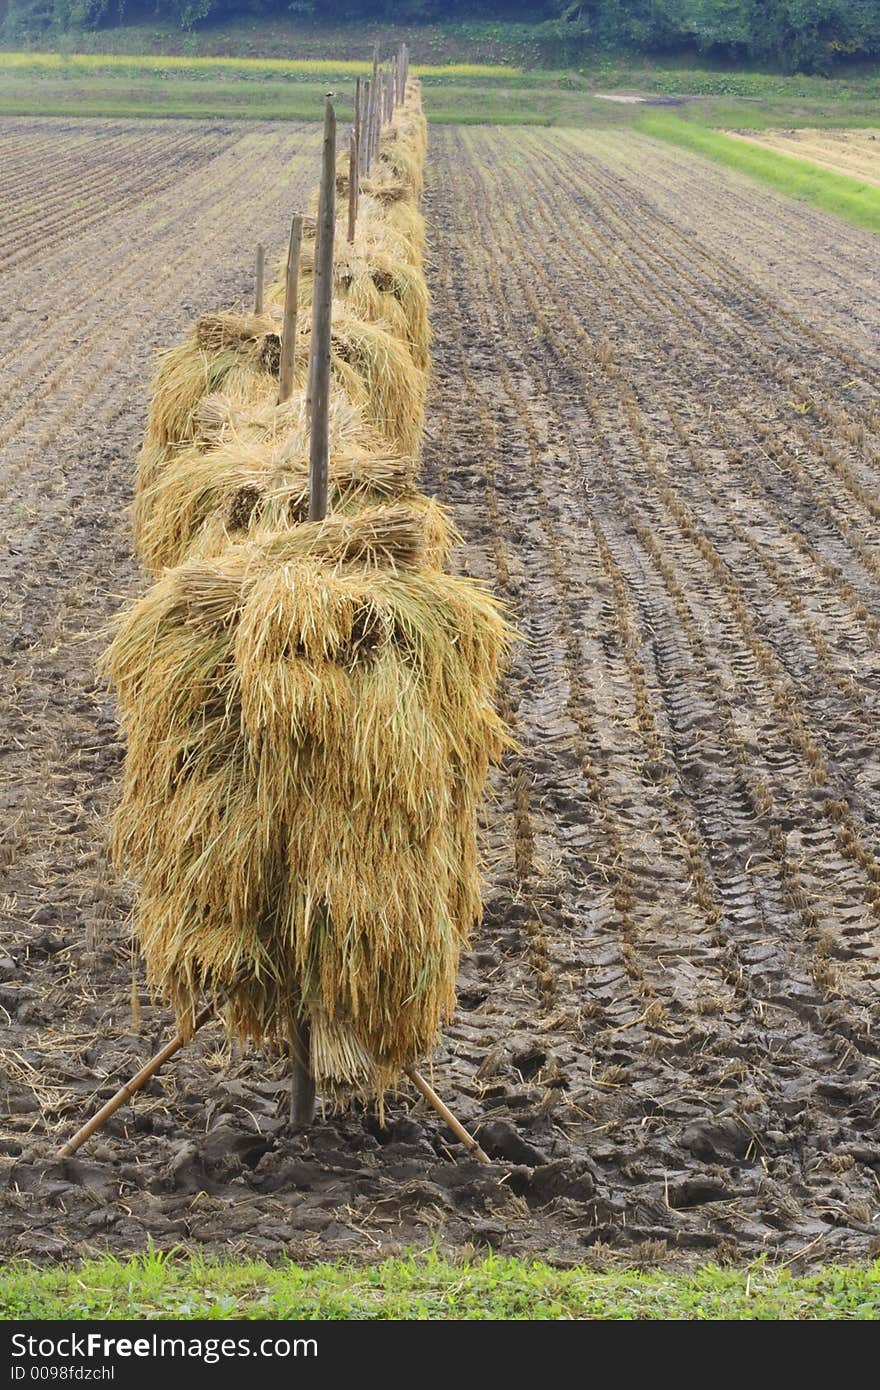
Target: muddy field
x: 853, y: 152
x: 654, y: 414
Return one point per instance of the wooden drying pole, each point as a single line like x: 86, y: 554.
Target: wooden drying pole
x: 259, y: 279
x: 356, y: 121
x: 352, y: 185
x: 373, y: 106
x: 302, y: 1081
x: 288, y: 324
x: 322, y: 302
x: 365, y: 126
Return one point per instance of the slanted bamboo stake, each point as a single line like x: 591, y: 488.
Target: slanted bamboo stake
x: 288, y: 324
x: 321, y: 323
x: 352, y: 186
x: 258, y: 283
x: 131, y: 1087
x: 149, y: 1069
x: 446, y: 1114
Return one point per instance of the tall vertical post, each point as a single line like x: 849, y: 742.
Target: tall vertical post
x: 356, y: 120
x: 352, y: 185
x: 259, y: 278
x: 302, y: 1082
x: 366, y: 97
x: 322, y: 304
x: 288, y: 323
x: 374, y: 102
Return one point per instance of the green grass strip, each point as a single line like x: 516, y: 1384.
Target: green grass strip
x: 838, y: 193
x: 428, y: 1286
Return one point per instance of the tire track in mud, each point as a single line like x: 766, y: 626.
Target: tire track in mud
x: 736, y: 671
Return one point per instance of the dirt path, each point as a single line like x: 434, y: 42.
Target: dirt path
x: 654, y: 414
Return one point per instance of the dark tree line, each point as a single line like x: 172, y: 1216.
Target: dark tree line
x: 795, y: 35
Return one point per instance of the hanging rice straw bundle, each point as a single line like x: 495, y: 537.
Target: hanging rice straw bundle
x: 235, y: 353
x: 310, y: 722
x: 261, y: 448
x: 393, y: 384
x: 377, y: 278
x: 257, y: 479
x: 374, y: 369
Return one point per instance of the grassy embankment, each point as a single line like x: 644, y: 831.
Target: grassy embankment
x: 227, y: 85
x: 223, y: 87
x: 422, y: 1287
x: 838, y: 193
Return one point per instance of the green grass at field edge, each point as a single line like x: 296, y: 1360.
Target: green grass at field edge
x: 841, y: 194
x: 430, y: 1287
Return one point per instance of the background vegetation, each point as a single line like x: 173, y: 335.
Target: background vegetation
x: 792, y: 35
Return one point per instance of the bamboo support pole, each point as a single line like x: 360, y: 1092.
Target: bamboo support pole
x: 259, y: 278
x: 137, y: 1082
x: 446, y: 1114
x: 288, y: 325
x: 301, y: 1103
x: 352, y: 185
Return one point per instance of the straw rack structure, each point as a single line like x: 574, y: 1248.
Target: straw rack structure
x: 309, y: 705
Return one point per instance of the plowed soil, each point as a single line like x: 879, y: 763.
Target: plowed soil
x: 654, y: 414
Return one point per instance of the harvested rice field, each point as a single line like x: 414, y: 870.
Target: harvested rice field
x: 852, y: 152
x: 653, y: 414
